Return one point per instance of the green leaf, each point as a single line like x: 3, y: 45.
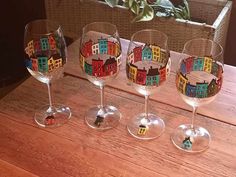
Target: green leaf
x: 146, y: 14
x: 131, y: 2
x: 135, y: 7
x: 112, y: 3
x: 187, y: 9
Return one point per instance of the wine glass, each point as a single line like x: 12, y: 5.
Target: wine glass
x: 147, y: 68
x: 46, y: 55
x: 198, y: 80
x: 100, y: 53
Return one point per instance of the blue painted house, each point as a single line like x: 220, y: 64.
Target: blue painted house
x: 198, y: 64
x: 28, y: 63
x: 153, y: 77
x: 190, y: 90
x: 183, y: 68
x: 147, y: 53
x: 201, y: 90
x: 103, y: 46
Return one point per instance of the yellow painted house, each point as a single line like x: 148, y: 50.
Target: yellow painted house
x: 207, y: 64
x: 132, y: 72
x: 182, y: 82
x: 156, y: 52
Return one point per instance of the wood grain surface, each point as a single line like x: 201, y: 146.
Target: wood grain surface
x: 75, y: 150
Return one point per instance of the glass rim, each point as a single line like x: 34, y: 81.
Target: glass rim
x: 43, y: 20
x: 149, y: 30
x: 204, y: 39
x: 101, y: 22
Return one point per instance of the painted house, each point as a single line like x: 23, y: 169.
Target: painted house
x: 137, y: 54
x: 110, y: 67
x: 102, y: 46
x: 111, y: 48
x: 42, y: 64
x: 214, y: 68
x: 156, y: 52
x: 141, y: 76
x: 52, y: 42
x: 95, y: 48
x: 30, y: 48
x: 97, y: 67
x: 28, y: 63
x: 164, y: 56
x: 37, y: 46
x: 198, y: 64
x: 131, y: 58
x: 50, y: 64
x: 207, y: 64
x: 34, y: 64
x: 88, y: 69
x: 212, y: 88
x: 190, y: 90
x: 181, y: 83
x: 153, y: 77
x: 118, y: 49
x: 132, y: 72
x: 201, y: 89
x: 81, y: 61
x: 183, y: 67
x: 189, y: 64
x: 147, y: 53
x: 162, y: 72
x: 57, y: 63
x: 44, y: 44
x: 87, y: 48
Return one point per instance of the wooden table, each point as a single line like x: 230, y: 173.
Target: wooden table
x: 76, y: 150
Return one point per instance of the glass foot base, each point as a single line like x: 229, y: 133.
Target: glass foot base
x: 190, y: 139
x: 103, y: 118
x: 54, y: 117
x: 144, y: 129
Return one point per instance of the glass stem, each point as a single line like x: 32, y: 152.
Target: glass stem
x: 193, y: 116
x: 102, y: 96
x: 49, y: 97
x: 146, y: 106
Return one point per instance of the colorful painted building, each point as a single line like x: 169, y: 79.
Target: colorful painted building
x: 97, y: 67
x: 142, y: 130
x: 110, y: 67
x: 207, y: 64
x: 137, y: 54
x: 57, y: 63
x: 156, y: 52
x: 131, y: 58
x: 212, y: 88
x: 30, y: 48
x: 111, y: 48
x: 153, y: 77
x: 164, y: 56
x: 118, y: 49
x: 88, y: 68
x: 34, y: 64
x: 198, y: 64
x: 189, y: 64
x: 95, y: 48
x: 147, y: 53
x: 28, y: 63
x: 201, y: 89
x: 183, y: 67
x: 132, y: 72
x: 162, y: 72
x: 52, y: 42
x: 44, y: 44
x: 37, y: 46
x: 87, y: 48
x: 141, y: 76
x: 50, y: 64
x: 42, y: 64
x: 181, y: 83
x: 214, y: 68
x: 190, y: 90
x: 102, y: 46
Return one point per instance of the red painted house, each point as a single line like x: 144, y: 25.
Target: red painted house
x: 141, y: 76
x: 110, y: 67
x: 52, y: 42
x: 97, y: 67
x: 162, y: 72
x: 111, y: 48
x: 189, y: 64
x: 87, y: 48
x: 137, y: 54
x: 37, y: 46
